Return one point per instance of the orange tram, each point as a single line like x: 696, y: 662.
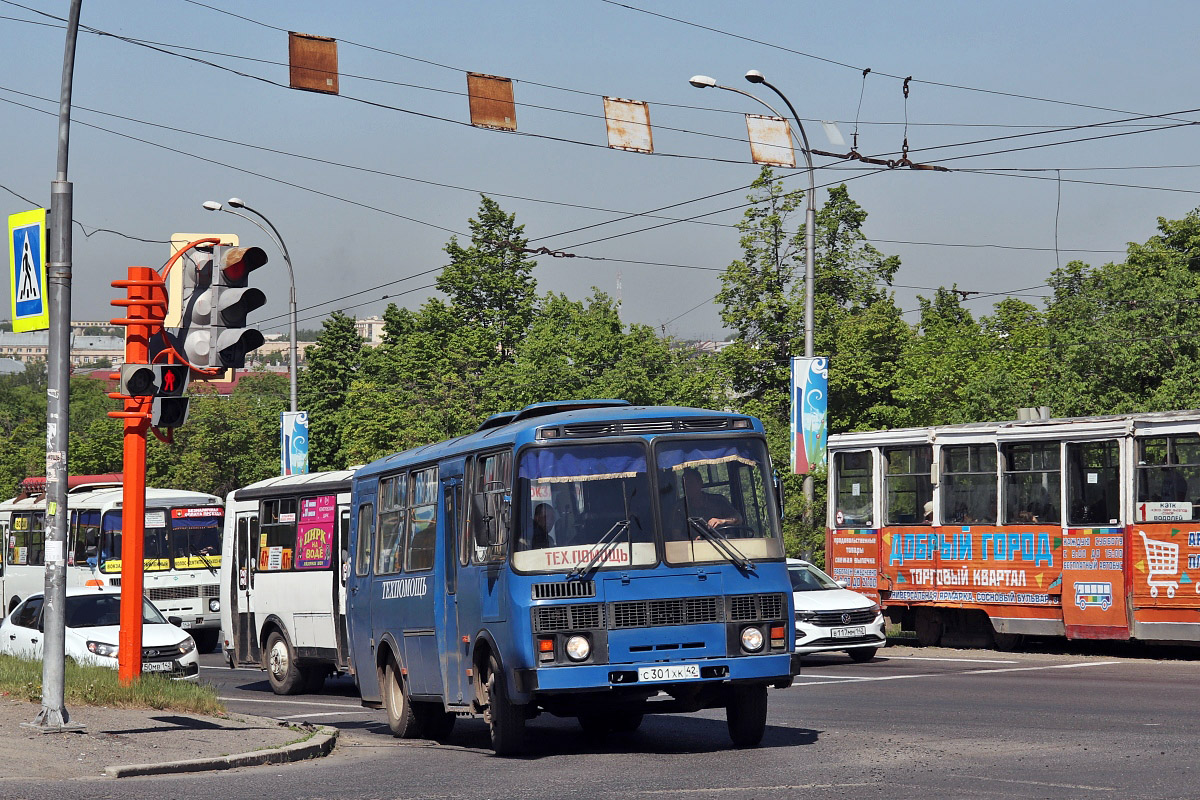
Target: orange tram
x: 984, y: 533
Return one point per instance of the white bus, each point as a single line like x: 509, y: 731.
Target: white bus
x: 182, y: 551
x: 283, y: 578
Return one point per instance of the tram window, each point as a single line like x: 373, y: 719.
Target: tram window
x: 969, y: 483
x: 908, y: 484
x: 366, y: 537
x: 855, y: 493
x: 393, y: 497
x: 1168, y: 478
x: 422, y: 524
x: 1031, y: 484
x: 1093, y: 483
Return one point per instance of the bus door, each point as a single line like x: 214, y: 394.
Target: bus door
x: 358, y: 594
x: 454, y: 654
x: 343, y: 572
x: 245, y: 639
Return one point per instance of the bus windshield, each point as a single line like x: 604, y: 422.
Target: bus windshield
x: 577, y: 502
x: 156, y: 553
x: 716, y: 501
x: 196, y: 537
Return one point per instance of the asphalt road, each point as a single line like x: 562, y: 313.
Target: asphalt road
x: 915, y: 722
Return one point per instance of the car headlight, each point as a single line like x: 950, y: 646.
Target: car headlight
x: 752, y: 639
x: 214, y: 605
x: 805, y: 616
x: 187, y: 646
x: 578, y: 648
x: 102, y: 649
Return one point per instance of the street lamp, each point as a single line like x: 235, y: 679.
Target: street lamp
x: 235, y: 202
x: 754, y: 76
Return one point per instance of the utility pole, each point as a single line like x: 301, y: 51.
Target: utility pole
x: 54, y: 716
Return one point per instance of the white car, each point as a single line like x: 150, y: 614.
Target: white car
x: 831, y: 617
x: 93, y: 633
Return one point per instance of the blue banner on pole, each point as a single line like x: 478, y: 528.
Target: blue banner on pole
x: 293, y: 443
x: 810, y: 410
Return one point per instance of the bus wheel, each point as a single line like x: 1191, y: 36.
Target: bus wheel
x: 206, y: 639
x: 282, y: 671
x: 746, y: 714
x: 401, y: 718
x: 506, y: 722
x: 435, y: 721
x: 626, y: 721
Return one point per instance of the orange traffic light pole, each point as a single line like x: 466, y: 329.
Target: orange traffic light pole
x: 145, y: 308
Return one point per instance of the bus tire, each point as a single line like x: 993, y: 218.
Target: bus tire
x: 436, y: 722
x: 506, y: 722
x: 746, y: 714
x: 206, y: 639
x: 314, y: 678
x: 282, y: 671
x: 401, y: 717
x: 626, y: 721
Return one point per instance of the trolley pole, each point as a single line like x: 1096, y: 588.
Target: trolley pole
x: 53, y: 716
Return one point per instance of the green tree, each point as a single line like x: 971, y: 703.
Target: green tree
x: 324, y: 387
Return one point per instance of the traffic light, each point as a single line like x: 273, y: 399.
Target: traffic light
x: 153, y: 380
x: 215, y: 302
x: 169, y: 412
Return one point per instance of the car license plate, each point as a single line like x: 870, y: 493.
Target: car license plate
x: 672, y: 672
x: 158, y: 666
x: 847, y: 633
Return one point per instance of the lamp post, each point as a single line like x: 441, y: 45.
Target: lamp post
x: 213, y: 205
x: 754, y: 76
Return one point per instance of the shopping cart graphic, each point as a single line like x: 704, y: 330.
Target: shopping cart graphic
x: 1162, y: 559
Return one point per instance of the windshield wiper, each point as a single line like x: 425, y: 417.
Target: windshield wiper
x: 719, y: 541
x: 207, y: 563
x: 603, y: 547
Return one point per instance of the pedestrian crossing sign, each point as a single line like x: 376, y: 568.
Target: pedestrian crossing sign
x: 27, y: 271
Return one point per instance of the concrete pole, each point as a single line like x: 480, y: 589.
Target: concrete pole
x: 53, y: 715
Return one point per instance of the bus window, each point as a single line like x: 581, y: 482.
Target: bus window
x: 393, y: 496
x: 156, y: 556
x: 490, y: 516
x: 27, y: 539
x: 908, y: 484
x: 86, y: 534
x: 969, y: 483
x: 1093, y: 483
x: 277, y: 535
x: 855, y: 491
x: 365, y: 537
x: 1168, y: 478
x: 422, y: 525
x: 1031, y: 484
x: 196, y: 537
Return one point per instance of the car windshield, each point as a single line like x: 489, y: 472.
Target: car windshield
x: 807, y: 578
x: 715, y: 496
x: 577, y: 502
x: 98, y: 610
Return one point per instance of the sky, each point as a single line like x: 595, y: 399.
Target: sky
x: 367, y: 187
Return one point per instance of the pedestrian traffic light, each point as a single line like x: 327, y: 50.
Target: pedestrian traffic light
x: 215, y: 303
x: 153, y: 380
x: 169, y: 412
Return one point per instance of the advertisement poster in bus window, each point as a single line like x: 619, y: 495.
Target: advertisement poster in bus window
x: 314, y: 542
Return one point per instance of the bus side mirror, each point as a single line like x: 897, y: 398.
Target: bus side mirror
x: 778, y: 493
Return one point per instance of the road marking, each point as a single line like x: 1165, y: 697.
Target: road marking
x: 940, y: 658
x: 743, y: 789
x: 952, y: 674
x: 314, y: 716
x: 1043, y: 783
x: 292, y: 702
x: 235, y: 669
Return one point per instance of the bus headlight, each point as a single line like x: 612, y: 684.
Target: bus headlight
x: 752, y: 639
x: 214, y: 605
x: 578, y: 648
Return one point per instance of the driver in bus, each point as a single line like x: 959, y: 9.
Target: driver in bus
x: 543, y: 526
x: 712, y: 508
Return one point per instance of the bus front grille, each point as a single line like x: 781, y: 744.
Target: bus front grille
x: 584, y: 616
x: 656, y: 613
x: 173, y: 592
x: 745, y: 607
x: 556, y: 591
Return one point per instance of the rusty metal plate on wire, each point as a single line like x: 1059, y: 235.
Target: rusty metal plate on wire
x: 491, y: 100
x: 314, y: 64
x: 628, y: 125
x: 770, y: 141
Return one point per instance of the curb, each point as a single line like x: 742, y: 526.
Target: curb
x: 320, y: 744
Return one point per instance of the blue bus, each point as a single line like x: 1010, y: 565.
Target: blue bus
x: 587, y: 559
